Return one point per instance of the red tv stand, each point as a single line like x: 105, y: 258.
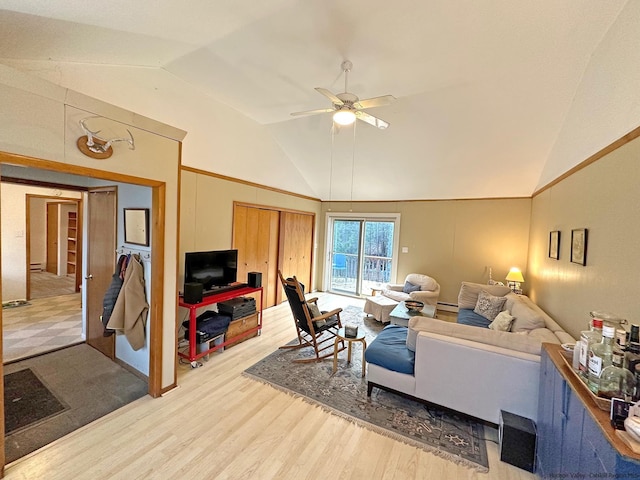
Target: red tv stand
x: 192, y: 356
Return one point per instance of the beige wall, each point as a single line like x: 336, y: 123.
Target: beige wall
x: 603, y: 197
x: 40, y: 119
x: 454, y: 241
x: 206, y: 211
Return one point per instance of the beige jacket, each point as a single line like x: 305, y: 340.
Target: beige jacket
x: 130, y: 311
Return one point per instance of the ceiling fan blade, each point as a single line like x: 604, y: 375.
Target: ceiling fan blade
x: 371, y: 120
x: 314, y: 112
x: 329, y: 95
x: 374, y: 102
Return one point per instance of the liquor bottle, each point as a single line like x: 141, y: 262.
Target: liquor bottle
x: 588, y: 338
x: 632, y: 358
x: 601, y: 355
x: 616, y: 382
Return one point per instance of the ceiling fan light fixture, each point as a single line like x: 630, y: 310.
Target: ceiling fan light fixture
x: 344, y: 117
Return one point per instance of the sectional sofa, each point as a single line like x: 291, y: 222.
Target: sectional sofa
x: 471, y: 369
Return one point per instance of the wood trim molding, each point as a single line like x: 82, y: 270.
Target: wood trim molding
x: 157, y: 290
x: 245, y: 182
x: 41, y: 164
x: 268, y: 207
x: 632, y: 135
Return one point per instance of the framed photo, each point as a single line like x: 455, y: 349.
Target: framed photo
x: 136, y: 226
x: 579, y: 246
x: 554, y: 244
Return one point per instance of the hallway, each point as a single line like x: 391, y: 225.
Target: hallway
x: 43, y: 325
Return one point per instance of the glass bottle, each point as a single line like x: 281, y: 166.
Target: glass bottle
x: 616, y: 382
x: 632, y: 358
x: 588, y: 338
x: 600, y: 357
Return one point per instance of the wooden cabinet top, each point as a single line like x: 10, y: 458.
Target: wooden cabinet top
x: 601, y: 417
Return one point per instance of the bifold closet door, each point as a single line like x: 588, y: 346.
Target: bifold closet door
x: 255, y: 235
x: 296, y: 246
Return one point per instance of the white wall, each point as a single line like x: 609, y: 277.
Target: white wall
x: 13, y: 216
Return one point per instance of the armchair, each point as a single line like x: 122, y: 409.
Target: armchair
x: 416, y: 287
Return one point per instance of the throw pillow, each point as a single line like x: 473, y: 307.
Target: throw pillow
x: 314, y: 310
x: 410, y: 287
x: 526, y: 319
x: 488, y: 305
x: 502, y: 322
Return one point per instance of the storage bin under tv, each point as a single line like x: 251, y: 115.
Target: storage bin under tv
x: 239, y: 330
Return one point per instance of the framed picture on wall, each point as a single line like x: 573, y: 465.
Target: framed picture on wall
x: 554, y: 244
x: 579, y: 246
x: 136, y: 226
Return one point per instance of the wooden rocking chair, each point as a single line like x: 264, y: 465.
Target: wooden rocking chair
x: 317, y: 331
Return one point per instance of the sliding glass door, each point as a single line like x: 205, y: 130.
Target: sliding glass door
x: 362, y: 253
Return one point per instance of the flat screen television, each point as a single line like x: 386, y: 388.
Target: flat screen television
x: 212, y: 269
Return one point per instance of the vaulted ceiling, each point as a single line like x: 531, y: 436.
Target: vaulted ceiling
x: 484, y: 89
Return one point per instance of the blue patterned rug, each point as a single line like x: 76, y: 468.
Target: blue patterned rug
x: 344, y: 393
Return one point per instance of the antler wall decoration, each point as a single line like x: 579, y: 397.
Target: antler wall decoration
x: 96, y: 147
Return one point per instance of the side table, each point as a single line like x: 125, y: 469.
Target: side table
x: 340, y: 336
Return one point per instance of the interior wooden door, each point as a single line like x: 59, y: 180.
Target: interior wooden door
x: 52, y: 238
x: 255, y: 235
x: 101, y: 260
x: 296, y: 246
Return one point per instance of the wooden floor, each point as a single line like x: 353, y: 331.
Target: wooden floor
x: 220, y: 425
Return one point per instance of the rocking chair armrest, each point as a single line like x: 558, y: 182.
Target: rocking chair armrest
x: 326, y: 315
x: 313, y: 300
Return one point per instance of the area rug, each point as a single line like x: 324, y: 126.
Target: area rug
x: 27, y: 401
x: 344, y: 393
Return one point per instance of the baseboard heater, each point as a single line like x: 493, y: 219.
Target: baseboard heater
x: 35, y: 267
x: 448, y: 307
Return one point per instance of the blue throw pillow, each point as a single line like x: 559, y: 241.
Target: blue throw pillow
x: 410, y: 287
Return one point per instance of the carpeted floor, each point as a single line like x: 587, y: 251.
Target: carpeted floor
x: 84, y: 381
x: 344, y: 393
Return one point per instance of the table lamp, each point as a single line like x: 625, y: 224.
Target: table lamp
x: 514, y: 278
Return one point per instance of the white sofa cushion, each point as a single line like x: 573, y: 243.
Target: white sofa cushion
x: 426, y: 283
x: 468, y: 296
x: 525, y: 318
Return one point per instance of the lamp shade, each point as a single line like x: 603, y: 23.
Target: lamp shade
x: 344, y: 117
x: 515, y: 275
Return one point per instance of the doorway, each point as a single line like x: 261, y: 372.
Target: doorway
x: 53, y: 243
x: 363, y: 252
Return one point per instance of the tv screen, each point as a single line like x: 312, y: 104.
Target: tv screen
x: 211, y: 269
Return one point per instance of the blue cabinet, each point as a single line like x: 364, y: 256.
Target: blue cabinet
x: 570, y: 442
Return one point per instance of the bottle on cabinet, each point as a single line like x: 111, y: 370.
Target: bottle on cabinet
x: 588, y: 338
x: 601, y: 355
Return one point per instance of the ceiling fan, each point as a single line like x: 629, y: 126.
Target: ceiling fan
x: 347, y: 106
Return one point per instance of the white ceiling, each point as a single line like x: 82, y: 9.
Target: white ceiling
x: 483, y: 88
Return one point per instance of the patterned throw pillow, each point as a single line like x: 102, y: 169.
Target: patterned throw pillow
x: 410, y: 287
x: 502, y: 321
x: 488, y: 305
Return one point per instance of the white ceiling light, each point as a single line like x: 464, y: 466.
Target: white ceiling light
x: 344, y: 117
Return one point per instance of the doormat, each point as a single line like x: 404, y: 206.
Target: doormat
x: 27, y: 401
x: 15, y: 303
x: 444, y: 433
